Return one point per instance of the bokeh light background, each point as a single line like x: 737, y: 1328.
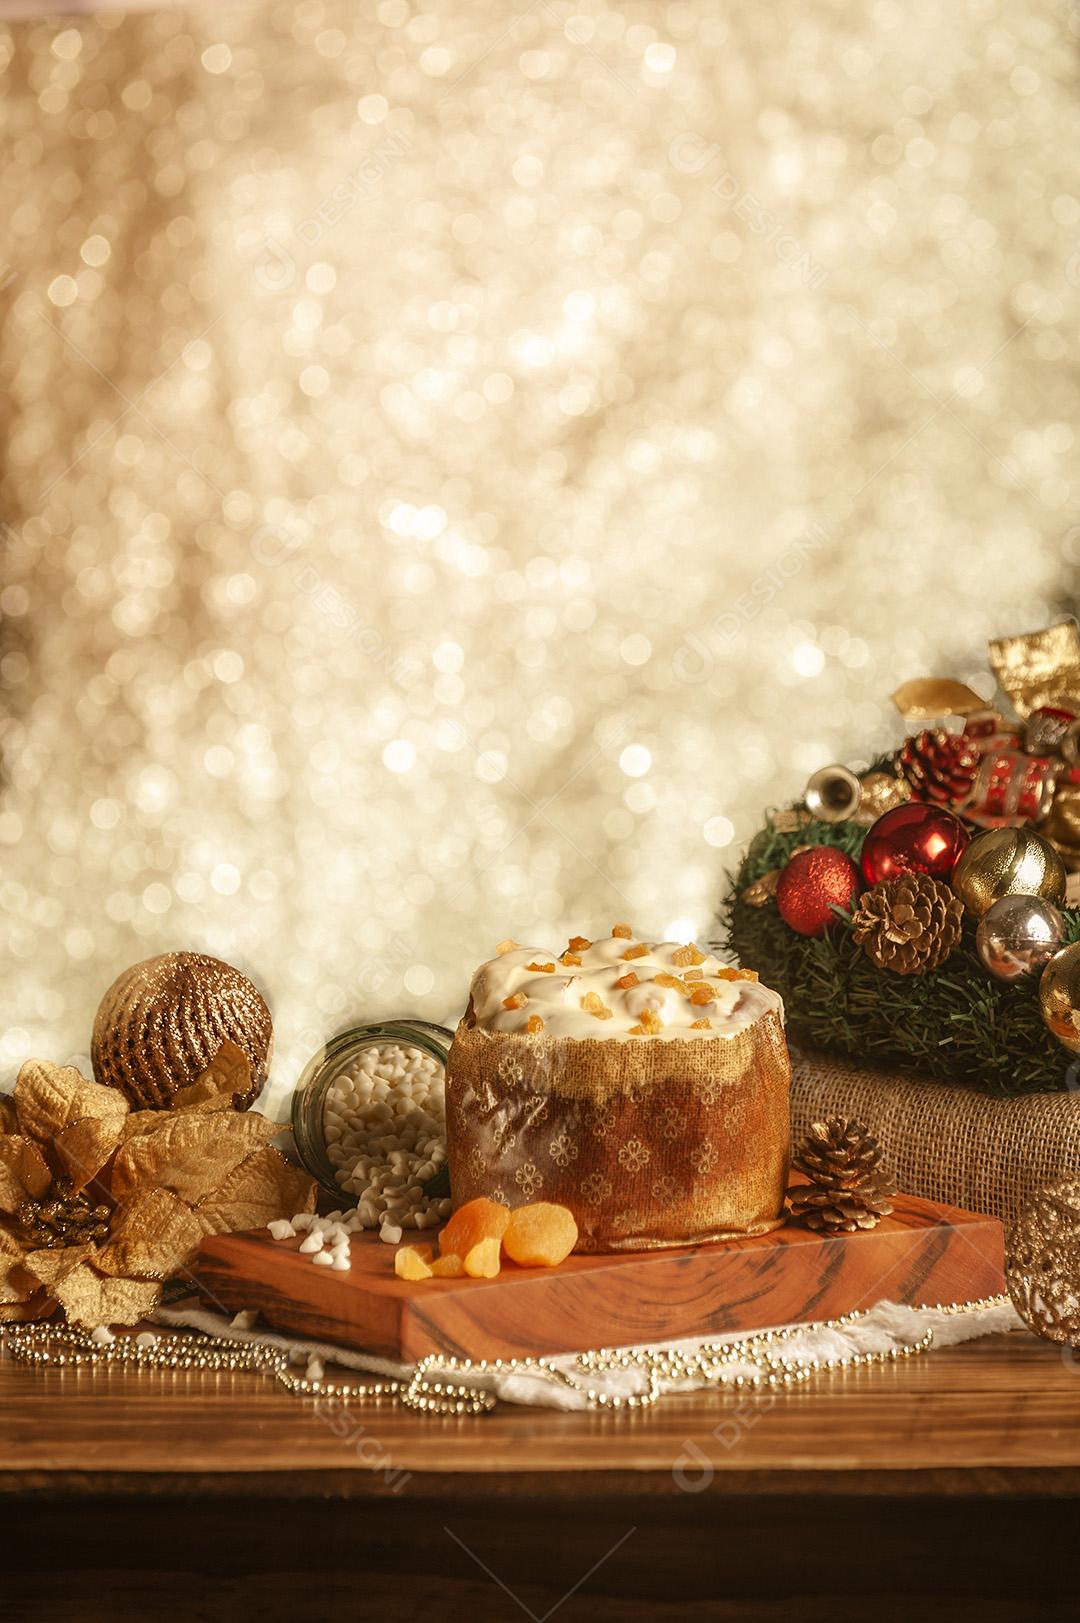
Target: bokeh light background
x: 463, y: 461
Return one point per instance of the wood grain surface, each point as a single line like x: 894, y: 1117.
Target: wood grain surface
x: 922, y: 1254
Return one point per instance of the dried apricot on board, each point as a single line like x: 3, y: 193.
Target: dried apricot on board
x: 541, y: 1235
x: 479, y: 1219
x: 482, y: 1262
x: 448, y: 1267
x: 411, y: 1263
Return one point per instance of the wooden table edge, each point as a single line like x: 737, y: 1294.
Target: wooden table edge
x: 966, y: 1482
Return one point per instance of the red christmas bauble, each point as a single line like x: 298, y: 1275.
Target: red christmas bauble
x: 913, y: 838
x: 813, y: 883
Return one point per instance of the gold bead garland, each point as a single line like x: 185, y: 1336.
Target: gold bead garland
x: 33, y: 1345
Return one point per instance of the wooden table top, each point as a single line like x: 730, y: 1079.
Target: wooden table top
x: 989, y: 1418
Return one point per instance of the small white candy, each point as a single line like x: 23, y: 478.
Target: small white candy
x: 341, y: 1264
x: 391, y: 1233
x: 312, y: 1244
x: 281, y: 1228
x: 246, y: 1320
x: 102, y: 1335
x: 146, y: 1338
x: 302, y: 1220
x: 314, y: 1371
x: 323, y: 1259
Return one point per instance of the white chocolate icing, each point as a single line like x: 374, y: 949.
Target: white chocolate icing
x: 557, y: 996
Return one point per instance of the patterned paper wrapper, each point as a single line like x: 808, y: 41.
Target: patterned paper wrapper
x: 650, y: 1144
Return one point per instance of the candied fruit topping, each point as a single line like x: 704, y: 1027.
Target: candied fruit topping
x: 701, y: 1025
x: 702, y: 994
x: 651, y: 1024
x: 690, y: 954
x: 506, y: 946
x: 534, y: 1025
x: 623, y: 930
x: 572, y: 960
x: 541, y: 1235
x: 628, y: 980
x: 592, y: 1003
x: 729, y: 974
x: 694, y: 975
x: 482, y: 1260
x: 664, y: 979
x: 517, y: 1001
x: 411, y: 1263
x: 578, y: 943
x: 636, y: 952
x: 448, y: 1267
x: 542, y: 969
x: 479, y: 1219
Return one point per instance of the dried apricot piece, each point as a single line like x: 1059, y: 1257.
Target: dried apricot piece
x: 572, y: 960
x: 479, y: 1219
x: 651, y: 1024
x: 534, y: 1025
x: 683, y: 957
x: 729, y: 974
x: 701, y: 1025
x: 506, y: 946
x: 694, y: 975
x: 623, y: 930
x: 636, y: 952
x: 541, y: 1235
x: 703, y: 994
x: 482, y: 1261
x: 593, y: 1003
x: 410, y: 1262
x: 517, y: 1000
x: 578, y: 943
x: 542, y: 969
x: 628, y: 980
x: 448, y: 1267
x: 664, y: 979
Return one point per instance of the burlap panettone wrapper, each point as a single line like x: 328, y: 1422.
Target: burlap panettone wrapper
x: 650, y: 1143
x: 945, y: 1142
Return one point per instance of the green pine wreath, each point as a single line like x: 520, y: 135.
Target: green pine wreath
x: 956, y: 1023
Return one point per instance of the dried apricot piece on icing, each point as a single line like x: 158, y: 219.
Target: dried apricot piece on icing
x: 448, y: 1267
x: 541, y: 1235
x: 572, y: 960
x: 482, y: 1261
x: 694, y: 975
x: 534, y: 1025
x: 729, y: 974
x: 703, y: 994
x: 628, y: 980
x: 479, y: 1219
x: 664, y: 979
x: 517, y: 1001
x: 413, y: 1262
x: 593, y: 1003
x: 683, y: 957
x: 636, y: 952
x: 506, y: 946
x: 578, y: 943
x: 542, y: 969
x: 624, y: 930
x: 701, y: 1025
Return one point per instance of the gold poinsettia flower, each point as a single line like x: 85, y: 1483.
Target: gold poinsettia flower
x: 100, y: 1204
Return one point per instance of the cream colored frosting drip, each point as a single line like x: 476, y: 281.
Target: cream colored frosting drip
x: 557, y: 996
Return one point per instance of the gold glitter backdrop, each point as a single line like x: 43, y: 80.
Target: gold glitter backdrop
x: 461, y: 462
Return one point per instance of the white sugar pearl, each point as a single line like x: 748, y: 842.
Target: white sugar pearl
x: 281, y: 1228
x: 341, y: 1264
x: 391, y: 1233
x: 312, y: 1244
x: 146, y: 1338
x: 323, y: 1259
x: 102, y: 1335
x: 302, y: 1220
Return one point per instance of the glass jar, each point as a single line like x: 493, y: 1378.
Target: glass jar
x: 323, y: 1070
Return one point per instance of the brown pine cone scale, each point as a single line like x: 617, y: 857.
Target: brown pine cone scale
x: 908, y: 924
x: 849, y: 1188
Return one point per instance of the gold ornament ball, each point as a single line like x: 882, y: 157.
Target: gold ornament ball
x: 163, y: 1020
x: 1008, y: 862
x: 1059, y: 997
x: 1042, y: 1263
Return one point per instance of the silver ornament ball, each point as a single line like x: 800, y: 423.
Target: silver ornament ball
x: 1018, y: 935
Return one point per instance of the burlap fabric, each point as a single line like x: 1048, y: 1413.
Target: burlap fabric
x: 945, y: 1142
x: 649, y: 1143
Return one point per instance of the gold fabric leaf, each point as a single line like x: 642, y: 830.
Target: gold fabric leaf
x: 52, y: 1265
x: 931, y: 696
x: 1039, y: 667
x: 23, y: 1171
x: 84, y: 1147
x: 15, y: 1282
x: 190, y: 1154
x: 89, y: 1298
x: 49, y: 1098
x: 9, y: 1119
x: 37, y: 1306
x: 153, y: 1235
x: 226, y: 1080
x: 263, y: 1187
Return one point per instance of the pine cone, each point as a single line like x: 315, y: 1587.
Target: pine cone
x: 908, y: 924
x: 849, y: 1188
x: 940, y: 766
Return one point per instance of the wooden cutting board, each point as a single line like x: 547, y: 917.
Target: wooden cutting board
x: 921, y: 1255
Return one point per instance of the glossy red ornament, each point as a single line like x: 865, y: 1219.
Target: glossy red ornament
x: 813, y: 883
x: 913, y: 838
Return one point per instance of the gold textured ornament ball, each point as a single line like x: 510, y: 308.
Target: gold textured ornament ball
x: 1008, y: 862
x: 163, y: 1020
x: 1059, y: 997
x: 1042, y: 1263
